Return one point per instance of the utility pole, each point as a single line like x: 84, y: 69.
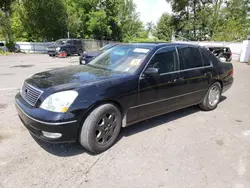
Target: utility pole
x: 68, y: 34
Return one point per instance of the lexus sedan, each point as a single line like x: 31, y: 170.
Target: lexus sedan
x: 124, y: 85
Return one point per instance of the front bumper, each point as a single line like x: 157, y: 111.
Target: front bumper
x: 37, y: 120
x: 53, y: 53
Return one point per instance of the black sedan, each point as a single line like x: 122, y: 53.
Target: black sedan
x: 127, y: 84
x: 86, y: 57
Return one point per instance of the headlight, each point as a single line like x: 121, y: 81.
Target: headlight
x: 59, y: 102
x: 58, y: 49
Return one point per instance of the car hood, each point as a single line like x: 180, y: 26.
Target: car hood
x: 72, y: 76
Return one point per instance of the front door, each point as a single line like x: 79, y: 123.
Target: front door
x: 158, y: 94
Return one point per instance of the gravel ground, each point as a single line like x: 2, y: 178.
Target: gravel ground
x: 187, y: 148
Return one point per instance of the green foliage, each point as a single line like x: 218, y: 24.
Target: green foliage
x: 98, y: 25
x: 44, y: 19
x: 164, y: 28
x: 10, y: 46
x: 225, y: 20
x: 33, y: 20
x: 5, y: 24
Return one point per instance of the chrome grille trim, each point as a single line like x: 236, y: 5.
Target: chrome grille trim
x: 30, y: 94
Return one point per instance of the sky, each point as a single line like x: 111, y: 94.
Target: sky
x: 151, y: 10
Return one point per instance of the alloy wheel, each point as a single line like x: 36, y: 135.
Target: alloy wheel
x: 105, y: 128
x: 214, y: 96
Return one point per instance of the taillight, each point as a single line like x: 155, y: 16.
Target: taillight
x: 232, y: 72
x: 231, y: 54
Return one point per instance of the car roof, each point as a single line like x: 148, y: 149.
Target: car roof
x: 158, y: 44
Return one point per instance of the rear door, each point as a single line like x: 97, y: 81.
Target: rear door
x: 195, y: 74
x: 74, y: 46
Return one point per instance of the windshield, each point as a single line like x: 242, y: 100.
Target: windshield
x: 124, y: 58
x: 61, y: 42
x: 106, y: 47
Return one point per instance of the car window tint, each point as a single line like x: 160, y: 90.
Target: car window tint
x: 69, y: 42
x: 165, y: 60
x: 190, y: 57
x: 205, y: 58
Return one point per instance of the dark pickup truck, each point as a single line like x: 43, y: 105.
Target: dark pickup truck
x: 67, y: 46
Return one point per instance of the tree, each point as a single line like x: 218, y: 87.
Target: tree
x: 44, y: 19
x: 164, y: 28
x: 98, y: 25
x: 5, y: 11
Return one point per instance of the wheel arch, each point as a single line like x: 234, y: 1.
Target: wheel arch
x: 99, y: 103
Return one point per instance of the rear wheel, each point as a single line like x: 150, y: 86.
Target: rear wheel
x: 212, y: 98
x: 101, y: 128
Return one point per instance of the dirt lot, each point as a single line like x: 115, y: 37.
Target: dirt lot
x: 187, y: 148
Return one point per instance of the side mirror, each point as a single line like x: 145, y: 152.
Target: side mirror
x: 152, y: 72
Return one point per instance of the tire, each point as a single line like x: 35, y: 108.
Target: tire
x: 206, y: 103
x: 80, y: 52
x: 93, y: 136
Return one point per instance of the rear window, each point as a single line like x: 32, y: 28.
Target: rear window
x: 190, y: 57
x: 1, y: 44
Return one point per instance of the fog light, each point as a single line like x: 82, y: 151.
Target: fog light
x: 51, y: 135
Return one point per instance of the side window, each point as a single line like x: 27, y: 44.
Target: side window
x: 205, y: 57
x: 190, y: 57
x: 79, y: 42
x: 69, y: 42
x: 165, y: 60
x: 74, y: 42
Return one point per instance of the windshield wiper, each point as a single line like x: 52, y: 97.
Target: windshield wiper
x: 98, y: 67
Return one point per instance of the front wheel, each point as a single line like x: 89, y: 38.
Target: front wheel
x: 101, y: 128
x: 212, y: 98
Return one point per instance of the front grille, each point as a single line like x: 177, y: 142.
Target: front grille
x: 30, y: 94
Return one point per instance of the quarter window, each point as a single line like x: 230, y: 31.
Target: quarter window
x: 190, y: 57
x: 165, y: 60
x: 205, y: 58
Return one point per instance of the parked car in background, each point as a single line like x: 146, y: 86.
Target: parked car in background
x: 67, y: 46
x: 3, y: 47
x: 124, y: 85
x: 224, y: 54
x: 86, y: 57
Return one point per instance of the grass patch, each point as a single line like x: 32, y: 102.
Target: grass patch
x: 4, y: 53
